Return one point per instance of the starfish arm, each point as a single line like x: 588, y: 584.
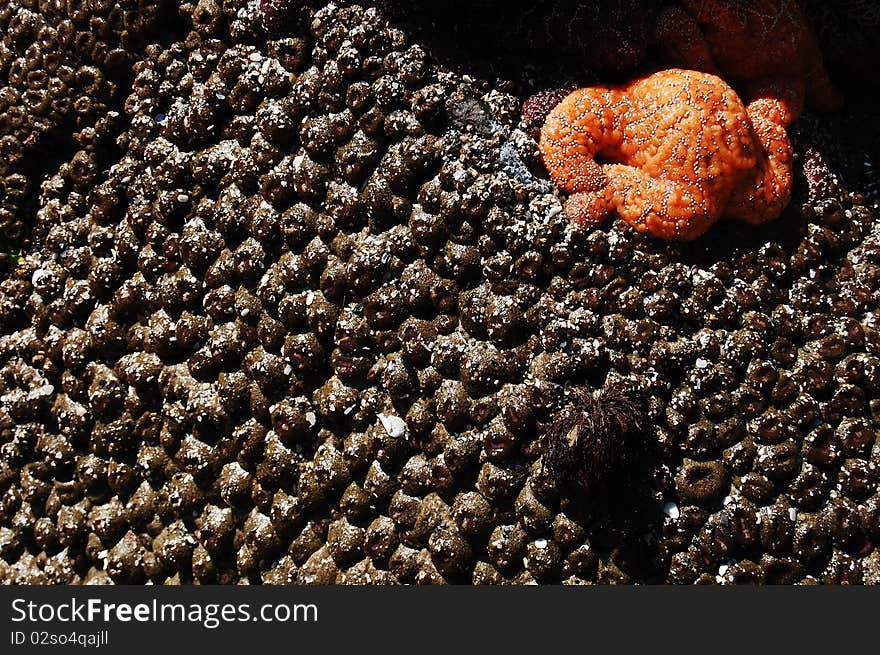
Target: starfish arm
x: 681, y: 38
x: 776, y: 99
x: 821, y: 91
x: 574, y: 132
x: 664, y: 208
x: 756, y: 39
x: 715, y: 12
x: 589, y: 208
x: 769, y: 189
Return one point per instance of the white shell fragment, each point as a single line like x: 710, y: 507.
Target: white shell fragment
x: 671, y: 510
x: 394, y: 425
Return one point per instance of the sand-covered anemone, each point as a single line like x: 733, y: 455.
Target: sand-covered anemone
x: 63, y: 70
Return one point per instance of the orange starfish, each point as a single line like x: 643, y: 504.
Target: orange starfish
x: 672, y: 152
x: 746, y: 41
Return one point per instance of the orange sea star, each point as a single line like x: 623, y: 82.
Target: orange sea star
x: 746, y: 42
x: 680, y: 148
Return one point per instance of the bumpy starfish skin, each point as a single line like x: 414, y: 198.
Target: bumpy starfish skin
x: 745, y: 41
x: 682, y: 152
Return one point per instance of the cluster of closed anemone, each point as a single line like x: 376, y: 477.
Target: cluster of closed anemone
x: 63, y: 69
